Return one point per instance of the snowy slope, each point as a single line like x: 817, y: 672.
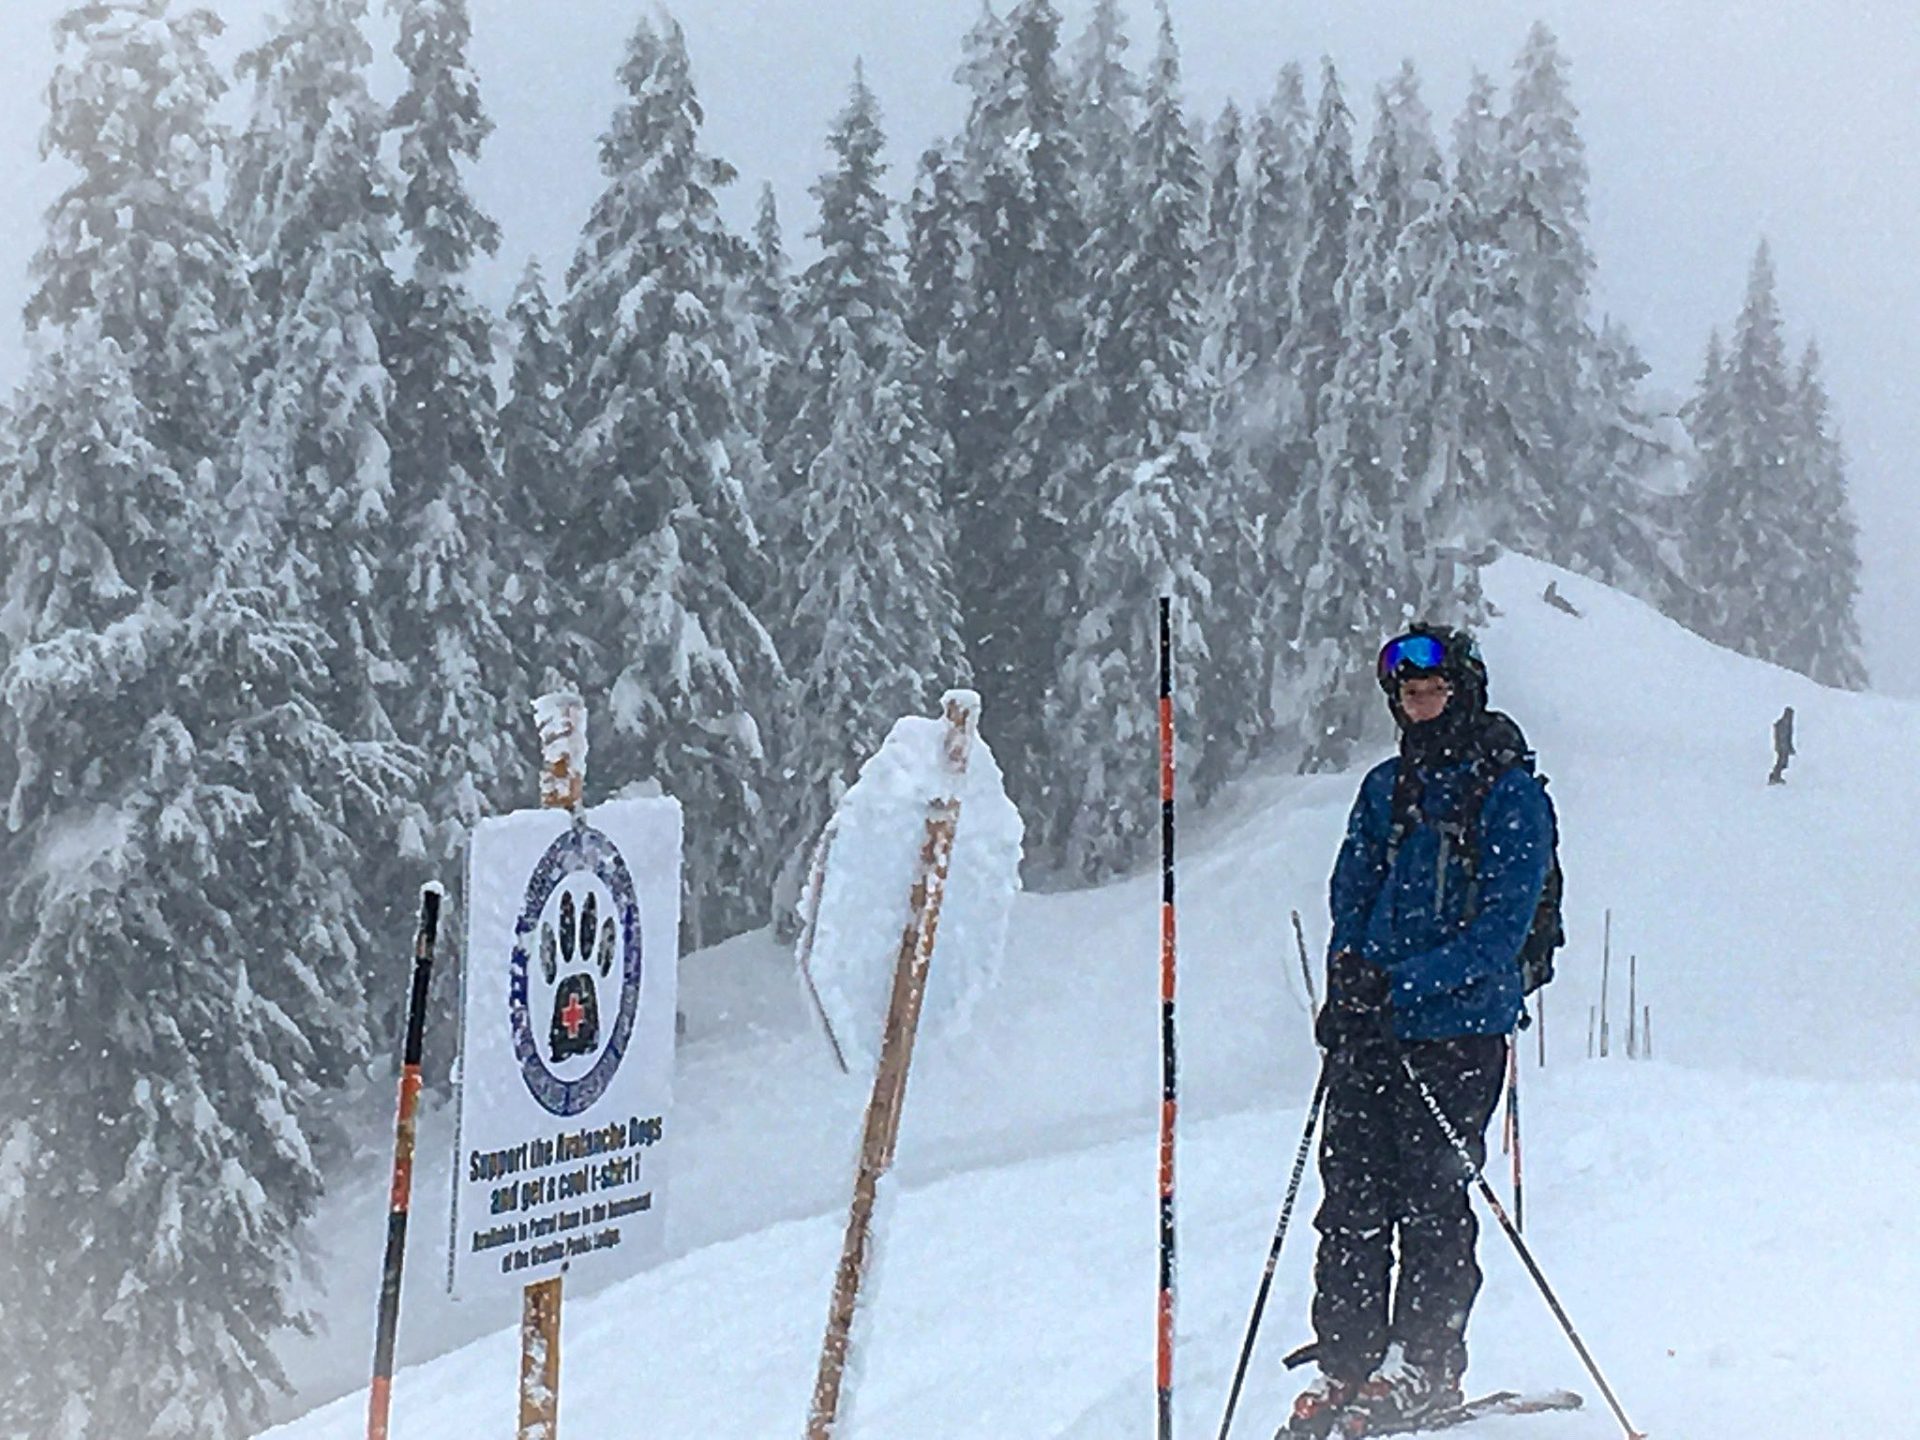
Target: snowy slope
x: 1774, y: 930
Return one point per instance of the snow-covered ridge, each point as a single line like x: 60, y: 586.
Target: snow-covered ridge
x: 1774, y: 930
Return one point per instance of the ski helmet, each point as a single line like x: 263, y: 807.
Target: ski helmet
x: 1434, y: 650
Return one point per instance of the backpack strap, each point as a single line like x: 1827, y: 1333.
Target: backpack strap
x: 1502, y: 748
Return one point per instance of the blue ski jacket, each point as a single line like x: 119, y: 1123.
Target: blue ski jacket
x: 1450, y: 943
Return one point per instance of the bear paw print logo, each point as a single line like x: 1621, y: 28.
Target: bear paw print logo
x: 572, y: 953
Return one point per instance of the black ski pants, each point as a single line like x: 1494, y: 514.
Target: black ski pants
x: 1389, y: 1174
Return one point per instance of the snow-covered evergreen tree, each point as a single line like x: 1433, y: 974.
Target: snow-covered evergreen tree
x: 774, y: 303
x: 1322, y: 295
x: 311, y: 203
x: 463, y: 704
x: 1543, y: 206
x: 312, y: 206
x: 874, y: 630
x: 1356, y: 568
x: 180, y: 815
x: 1017, y: 414
x: 1139, y: 530
x: 1744, y: 497
x: 1820, y: 634
x: 1256, y: 404
x: 654, y: 541
x: 1771, y: 543
x: 533, y: 458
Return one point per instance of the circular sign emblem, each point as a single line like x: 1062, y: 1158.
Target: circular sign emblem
x: 575, y: 980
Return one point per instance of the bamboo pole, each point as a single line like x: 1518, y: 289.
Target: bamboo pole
x: 882, y: 1129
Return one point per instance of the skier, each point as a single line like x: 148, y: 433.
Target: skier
x: 1782, y: 746
x: 1436, y: 887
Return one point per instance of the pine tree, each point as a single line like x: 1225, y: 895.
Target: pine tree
x: 1103, y: 106
x: 1543, y: 189
x: 1322, y: 295
x: 312, y: 207
x: 772, y: 300
x: 1017, y: 412
x: 1139, y: 527
x: 533, y: 459
x: 875, y: 625
x: 464, y: 704
x: 1745, y: 496
x: 179, y: 817
x: 874, y: 632
x: 934, y: 278
x: 1356, y: 567
x: 1257, y: 408
x: 1226, y: 233
x: 1819, y: 632
x: 654, y: 539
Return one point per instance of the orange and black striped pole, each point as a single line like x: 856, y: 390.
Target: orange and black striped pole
x: 380, y: 1398
x: 1169, y: 1054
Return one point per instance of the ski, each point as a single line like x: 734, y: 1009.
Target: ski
x: 1354, y: 1425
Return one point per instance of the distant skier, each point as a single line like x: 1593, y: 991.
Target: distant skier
x: 1435, y: 890
x: 1558, y: 601
x: 1782, y: 746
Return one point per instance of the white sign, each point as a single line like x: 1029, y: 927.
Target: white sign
x: 566, y: 1041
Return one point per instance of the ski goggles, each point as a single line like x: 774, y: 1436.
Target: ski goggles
x: 1411, y: 652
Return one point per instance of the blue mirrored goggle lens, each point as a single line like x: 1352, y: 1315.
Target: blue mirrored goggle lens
x: 1416, y: 652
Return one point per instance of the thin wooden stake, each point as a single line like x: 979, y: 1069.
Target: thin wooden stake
x: 1606, y: 972
x: 1633, y: 1007
x: 882, y: 1130
x: 562, y: 722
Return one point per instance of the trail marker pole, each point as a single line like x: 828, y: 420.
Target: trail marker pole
x: 1169, y: 1052
x: 386, y: 1327
x: 1606, y: 972
x: 884, y: 1108
x: 1633, y: 1007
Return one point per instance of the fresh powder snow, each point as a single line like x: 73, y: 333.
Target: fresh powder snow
x: 1728, y: 1222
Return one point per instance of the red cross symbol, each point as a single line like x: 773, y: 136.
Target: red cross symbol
x: 573, y: 1015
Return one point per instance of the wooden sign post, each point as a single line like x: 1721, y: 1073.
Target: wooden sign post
x: 890, y: 1078
x: 562, y: 720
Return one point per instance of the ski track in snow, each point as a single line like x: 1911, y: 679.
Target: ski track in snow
x: 1729, y: 1225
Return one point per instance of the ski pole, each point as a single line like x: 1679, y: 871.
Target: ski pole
x: 380, y: 1393
x: 1526, y: 1256
x: 1273, y: 1253
x: 1306, y: 967
x: 1513, y: 1129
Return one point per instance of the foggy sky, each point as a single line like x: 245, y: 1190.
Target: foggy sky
x: 1708, y: 124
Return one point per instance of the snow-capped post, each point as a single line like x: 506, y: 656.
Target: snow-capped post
x: 1169, y: 1053
x: 882, y: 1128
x: 562, y: 721
x: 380, y: 1393
x: 567, y: 1005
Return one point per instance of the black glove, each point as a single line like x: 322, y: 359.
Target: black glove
x: 1359, y: 1000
